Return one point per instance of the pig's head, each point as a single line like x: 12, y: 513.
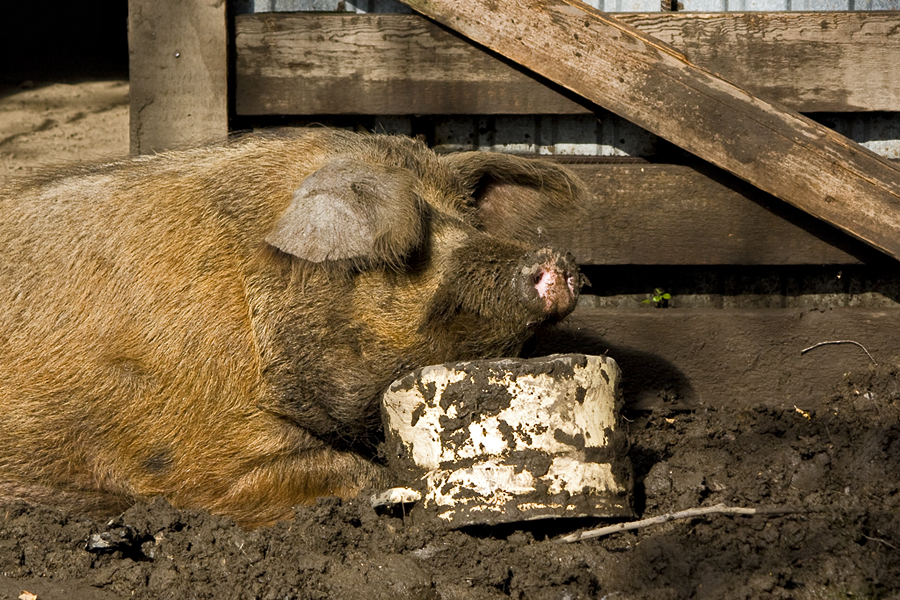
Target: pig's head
x: 447, y: 253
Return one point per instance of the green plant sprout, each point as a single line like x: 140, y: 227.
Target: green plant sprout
x: 660, y: 298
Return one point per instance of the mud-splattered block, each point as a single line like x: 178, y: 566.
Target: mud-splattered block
x: 504, y: 440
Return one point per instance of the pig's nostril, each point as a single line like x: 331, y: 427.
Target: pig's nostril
x: 536, y: 277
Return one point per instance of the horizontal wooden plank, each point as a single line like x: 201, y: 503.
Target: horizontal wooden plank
x: 644, y: 213
x: 809, y: 62
x: 404, y: 64
x: 694, y: 358
x: 375, y: 64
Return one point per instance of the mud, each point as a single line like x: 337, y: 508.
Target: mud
x: 834, y: 468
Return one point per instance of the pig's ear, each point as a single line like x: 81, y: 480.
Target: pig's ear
x: 519, y: 198
x: 352, y: 211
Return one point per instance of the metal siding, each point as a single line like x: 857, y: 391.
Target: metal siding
x: 879, y: 132
x: 609, y: 135
x: 755, y: 5
x: 563, y: 135
x: 358, y: 6
x: 875, y: 5
x: 820, y: 5
x: 787, y: 5
x: 628, y: 5
x: 389, y: 6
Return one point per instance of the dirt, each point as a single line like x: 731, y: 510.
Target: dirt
x: 828, y: 472
x: 832, y: 470
x: 46, y: 124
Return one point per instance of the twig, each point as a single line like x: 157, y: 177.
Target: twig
x: 684, y: 514
x: 804, y: 351
x: 885, y: 542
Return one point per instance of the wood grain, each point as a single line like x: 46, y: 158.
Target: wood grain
x: 646, y: 214
x: 178, y: 73
x: 809, y: 62
x: 404, y: 64
x: 375, y: 64
x: 656, y: 87
x: 694, y: 358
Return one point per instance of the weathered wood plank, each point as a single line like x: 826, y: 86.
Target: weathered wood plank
x: 654, y: 86
x: 374, y: 64
x: 404, y: 64
x: 178, y: 71
x: 809, y: 62
x: 696, y: 358
x: 694, y: 215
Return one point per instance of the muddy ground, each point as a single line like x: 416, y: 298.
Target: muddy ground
x: 831, y: 474
x: 828, y: 472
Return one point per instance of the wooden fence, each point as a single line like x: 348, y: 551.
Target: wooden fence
x: 645, y: 214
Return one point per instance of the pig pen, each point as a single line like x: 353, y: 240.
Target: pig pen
x: 828, y: 476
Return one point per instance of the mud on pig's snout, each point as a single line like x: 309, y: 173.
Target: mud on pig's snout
x: 550, y: 283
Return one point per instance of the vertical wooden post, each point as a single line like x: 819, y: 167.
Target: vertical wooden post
x: 178, y: 72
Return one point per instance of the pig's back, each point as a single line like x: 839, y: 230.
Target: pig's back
x: 122, y: 308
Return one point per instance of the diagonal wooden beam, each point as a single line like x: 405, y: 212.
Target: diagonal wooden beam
x: 653, y: 85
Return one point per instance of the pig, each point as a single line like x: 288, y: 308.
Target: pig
x: 217, y: 325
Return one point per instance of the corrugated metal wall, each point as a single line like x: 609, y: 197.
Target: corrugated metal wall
x: 603, y: 134
x: 358, y: 6
x: 783, y: 5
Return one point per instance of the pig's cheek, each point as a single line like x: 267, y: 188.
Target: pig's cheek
x: 533, y: 292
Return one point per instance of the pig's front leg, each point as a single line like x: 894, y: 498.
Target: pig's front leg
x: 269, y: 491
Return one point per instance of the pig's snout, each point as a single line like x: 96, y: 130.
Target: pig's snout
x: 550, y: 283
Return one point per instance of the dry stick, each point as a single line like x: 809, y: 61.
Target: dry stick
x: 685, y: 514
x: 885, y: 542
x: 840, y: 342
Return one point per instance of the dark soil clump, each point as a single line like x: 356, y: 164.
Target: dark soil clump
x: 835, y: 468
